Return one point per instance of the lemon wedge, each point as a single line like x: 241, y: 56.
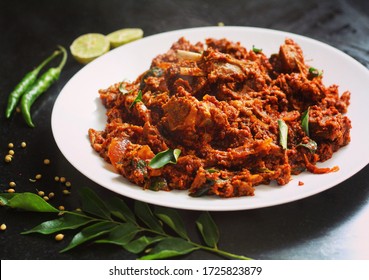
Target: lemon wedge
x: 124, y: 36
x: 89, y: 46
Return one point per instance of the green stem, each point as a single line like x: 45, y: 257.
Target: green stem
x: 64, y: 59
x: 199, y: 246
x: 220, y: 252
x: 91, y: 218
x: 47, y: 60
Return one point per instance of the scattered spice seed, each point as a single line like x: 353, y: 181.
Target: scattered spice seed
x: 61, y: 208
x: 68, y: 184
x: 56, y: 178
x: 11, y: 152
x: 3, y: 227
x: 62, y: 179
x: 8, y: 158
x: 23, y: 144
x: 78, y: 209
x: 66, y: 192
x: 38, y: 176
x: 41, y: 193
x: 46, y: 161
x: 59, y: 237
x: 10, y: 145
x: 46, y: 198
x: 51, y: 195
x: 12, y: 184
x: 11, y: 190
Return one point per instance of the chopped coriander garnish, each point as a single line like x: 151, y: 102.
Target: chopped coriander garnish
x: 256, y: 50
x: 315, y: 72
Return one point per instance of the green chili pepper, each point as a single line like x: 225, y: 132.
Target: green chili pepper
x: 27, y: 81
x: 39, y: 87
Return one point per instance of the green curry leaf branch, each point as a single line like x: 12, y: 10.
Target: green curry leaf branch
x: 151, y: 232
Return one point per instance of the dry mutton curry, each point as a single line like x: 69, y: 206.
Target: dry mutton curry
x: 214, y: 118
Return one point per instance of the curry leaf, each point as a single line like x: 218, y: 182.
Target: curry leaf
x: 208, y: 229
x: 137, y: 99
x: 138, y: 245
x: 67, y: 221
x: 145, y: 214
x: 92, y: 204
x: 170, y: 247
x: 27, y: 202
x: 172, y: 219
x: 311, y: 145
x: 315, y: 72
x: 283, y: 133
x: 4, y: 198
x: 256, y: 50
x: 120, y: 210
x: 90, y: 232
x: 164, y: 157
x: 305, y: 122
x: 121, y: 235
x: 122, y: 89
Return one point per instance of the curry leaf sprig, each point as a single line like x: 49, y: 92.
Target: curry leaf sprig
x: 151, y: 232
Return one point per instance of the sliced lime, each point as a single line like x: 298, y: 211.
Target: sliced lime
x: 123, y: 36
x: 89, y: 46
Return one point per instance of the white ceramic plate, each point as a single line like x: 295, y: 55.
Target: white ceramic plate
x: 78, y: 108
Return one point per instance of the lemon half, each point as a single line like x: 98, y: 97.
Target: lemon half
x: 89, y: 46
x: 124, y: 36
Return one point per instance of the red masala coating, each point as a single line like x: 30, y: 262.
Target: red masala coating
x: 219, y: 104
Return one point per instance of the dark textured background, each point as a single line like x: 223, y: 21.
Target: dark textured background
x: 331, y: 225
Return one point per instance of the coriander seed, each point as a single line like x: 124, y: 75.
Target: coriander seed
x: 41, y: 193
x: 62, y: 179
x: 61, y: 208
x: 10, y: 145
x: 11, y: 152
x: 12, y: 184
x: 59, y: 237
x: 3, y: 227
x: 11, y: 190
x: 38, y: 176
x: 23, y: 144
x: 46, y: 198
x: 46, y: 161
x: 51, y: 195
x: 68, y: 184
x: 66, y: 192
x: 8, y: 158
